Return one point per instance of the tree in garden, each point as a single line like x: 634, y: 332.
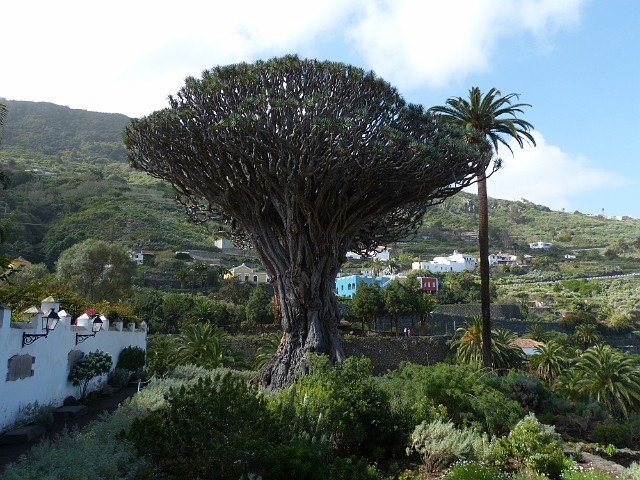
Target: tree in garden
x: 400, y: 299
x: 304, y: 160
x: 89, y: 367
x: 610, y: 377
x: 496, y: 118
x: 204, y: 346
x: 586, y: 334
x: 367, y: 303
x: 548, y: 361
x: 97, y: 270
x: 468, y: 342
x: 258, y: 309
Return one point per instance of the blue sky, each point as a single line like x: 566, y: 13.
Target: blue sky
x: 575, y: 61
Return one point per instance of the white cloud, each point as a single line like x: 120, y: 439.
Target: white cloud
x: 127, y: 56
x: 412, y: 43
x: 548, y: 176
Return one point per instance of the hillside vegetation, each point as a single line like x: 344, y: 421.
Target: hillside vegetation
x: 71, y: 181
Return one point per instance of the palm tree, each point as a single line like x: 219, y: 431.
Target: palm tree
x: 586, y: 334
x: 468, y: 340
x: 548, y: 361
x: 504, y: 355
x: 204, y: 346
x: 496, y: 118
x: 610, y: 377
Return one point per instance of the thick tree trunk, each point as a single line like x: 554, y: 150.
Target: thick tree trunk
x: 485, y: 294
x: 306, y: 306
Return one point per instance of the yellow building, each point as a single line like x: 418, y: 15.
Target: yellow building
x: 242, y: 273
x: 19, y: 263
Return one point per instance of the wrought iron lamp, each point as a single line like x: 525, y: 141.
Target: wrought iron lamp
x: 96, y: 326
x: 48, y: 324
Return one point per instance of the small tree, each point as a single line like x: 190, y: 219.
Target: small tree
x: 94, y: 364
x: 367, y: 303
x: 258, y: 309
x: 97, y: 270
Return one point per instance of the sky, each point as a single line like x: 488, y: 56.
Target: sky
x: 576, y: 62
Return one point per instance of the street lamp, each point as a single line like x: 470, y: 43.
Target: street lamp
x: 96, y: 326
x: 48, y: 324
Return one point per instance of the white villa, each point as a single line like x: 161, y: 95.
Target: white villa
x: 540, y: 245
x: 502, y: 259
x: 457, y: 262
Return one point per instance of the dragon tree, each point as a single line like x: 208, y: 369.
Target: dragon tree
x: 304, y: 160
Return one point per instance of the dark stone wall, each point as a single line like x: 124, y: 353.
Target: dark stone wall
x: 386, y: 352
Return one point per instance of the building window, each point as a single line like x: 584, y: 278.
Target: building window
x: 255, y: 279
x: 246, y: 277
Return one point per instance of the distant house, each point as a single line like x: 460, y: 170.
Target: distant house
x: 223, y: 244
x: 140, y: 257
x: 380, y: 253
x: 502, y: 259
x: 347, y: 285
x: 570, y: 257
x: 527, y: 345
x: 457, y: 262
x: 428, y: 284
x: 243, y: 273
x: 540, y: 245
x: 19, y: 262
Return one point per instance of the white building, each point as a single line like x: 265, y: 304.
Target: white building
x: 223, y: 243
x: 540, y: 246
x: 382, y: 255
x: 457, y: 262
x: 502, y: 259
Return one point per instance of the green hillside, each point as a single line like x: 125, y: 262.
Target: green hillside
x: 71, y: 181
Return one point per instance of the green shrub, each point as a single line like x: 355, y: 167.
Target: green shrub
x: 218, y: 427
x: 621, y: 433
x: 118, y: 378
x: 357, y: 412
x: 533, y: 445
x: 474, y: 471
x: 439, y: 443
x: 89, y: 367
x: 469, y: 396
x: 528, y: 391
x: 131, y: 359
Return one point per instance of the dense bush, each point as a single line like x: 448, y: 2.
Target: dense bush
x: 131, y: 359
x: 468, y: 395
x: 356, y: 411
x: 439, y: 443
x: 216, y: 428
x: 533, y: 445
x: 621, y: 433
x: 118, y: 378
x: 89, y: 367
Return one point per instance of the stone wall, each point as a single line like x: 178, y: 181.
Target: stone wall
x: 386, y: 352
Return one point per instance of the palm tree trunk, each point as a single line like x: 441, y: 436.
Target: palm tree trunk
x: 485, y: 295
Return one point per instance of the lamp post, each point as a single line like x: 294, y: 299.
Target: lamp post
x: 96, y: 326
x: 48, y: 324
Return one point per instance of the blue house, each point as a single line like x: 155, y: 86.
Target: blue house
x: 348, y: 285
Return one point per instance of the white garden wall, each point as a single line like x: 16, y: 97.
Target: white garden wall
x: 48, y: 382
